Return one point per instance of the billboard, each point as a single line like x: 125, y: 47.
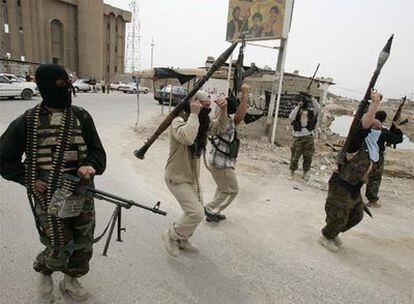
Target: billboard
x: 261, y: 19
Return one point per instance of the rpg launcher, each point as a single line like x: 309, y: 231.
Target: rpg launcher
x: 116, y: 215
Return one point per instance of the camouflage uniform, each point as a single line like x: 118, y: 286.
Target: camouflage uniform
x: 78, y: 237
x: 343, y: 210
x: 302, y: 146
x: 303, y: 120
x: 344, y: 206
x: 374, y: 180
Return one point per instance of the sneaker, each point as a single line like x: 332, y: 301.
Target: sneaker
x: 211, y: 217
x: 221, y: 217
x: 292, y: 175
x: 374, y: 205
x: 338, y: 242
x: 328, y: 244
x: 170, y: 245
x: 306, y: 175
x: 44, y: 284
x: 73, y: 288
x: 187, y: 246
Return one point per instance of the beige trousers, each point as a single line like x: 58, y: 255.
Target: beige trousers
x: 190, y: 202
x: 226, y: 191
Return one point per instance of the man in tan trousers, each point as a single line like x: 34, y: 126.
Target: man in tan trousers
x: 188, y: 139
x: 223, y: 160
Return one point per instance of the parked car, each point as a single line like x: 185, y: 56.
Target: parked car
x: 132, y: 88
x: 12, y: 88
x: 82, y: 85
x: 115, y: 85
x: 178, y: 93
x: 13, y: 78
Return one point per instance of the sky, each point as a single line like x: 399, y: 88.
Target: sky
x: 345, y: 37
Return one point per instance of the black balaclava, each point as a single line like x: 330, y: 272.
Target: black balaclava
x: 54, y: 86
x: 200, y: 143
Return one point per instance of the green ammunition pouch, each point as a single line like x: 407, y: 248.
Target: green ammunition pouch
x: 356, y: 166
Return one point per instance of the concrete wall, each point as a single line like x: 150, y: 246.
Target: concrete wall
x: 84, y: 34
x: 90, y: 23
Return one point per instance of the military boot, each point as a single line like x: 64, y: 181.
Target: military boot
x: 44, y: 284
x: 306, y: 175
x: 187, y: 246
x: 328, y: 244
x: 170, y: 244
x: 73, y: 288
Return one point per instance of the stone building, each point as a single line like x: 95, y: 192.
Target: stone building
x: 85, y: 36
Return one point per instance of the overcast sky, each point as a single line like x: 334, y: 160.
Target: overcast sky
x: 344, y: 36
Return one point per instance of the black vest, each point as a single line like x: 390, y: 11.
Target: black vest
x: 312, y: 120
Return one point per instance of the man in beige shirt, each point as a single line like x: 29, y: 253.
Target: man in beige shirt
x: 188, y: 139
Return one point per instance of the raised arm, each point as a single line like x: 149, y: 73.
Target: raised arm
x: 369, y: 117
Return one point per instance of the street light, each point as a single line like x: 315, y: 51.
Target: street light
x: 152, y: 53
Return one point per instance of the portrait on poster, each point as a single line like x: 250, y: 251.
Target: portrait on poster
x: 259, y: 19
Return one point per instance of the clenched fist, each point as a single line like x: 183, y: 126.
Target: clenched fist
x: 86, y: 172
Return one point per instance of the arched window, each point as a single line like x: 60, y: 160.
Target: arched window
x: 56, y: 37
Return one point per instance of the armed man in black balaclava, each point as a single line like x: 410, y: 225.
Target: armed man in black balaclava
x: 304, y: 118
x: 56, y: 139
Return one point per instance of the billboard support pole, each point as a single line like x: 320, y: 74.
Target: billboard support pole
x: 279, y: 91
x: 276, y: 80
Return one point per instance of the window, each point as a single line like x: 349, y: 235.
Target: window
x: 56, y: 35
x: 107, y: 47
x: 108, y: 26
x: 116, y: 69
x: 4, y: 80
x: 21, y: 30
x: 19, y: 3
x: 22, y: 58
x: 116, y: 28
x: 6, y: 28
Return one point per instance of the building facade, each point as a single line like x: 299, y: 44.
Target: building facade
x: 85, y: 36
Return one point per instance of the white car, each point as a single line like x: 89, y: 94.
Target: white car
x: 116, y: 85
x: 12, y: 88
x: 82, y: 85
x: 132, y: 88
x: 13, y: 78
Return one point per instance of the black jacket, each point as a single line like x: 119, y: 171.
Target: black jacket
x: 13, y: 145
x: 392, y: 136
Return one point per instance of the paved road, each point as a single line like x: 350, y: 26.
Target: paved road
x: 233, y: 267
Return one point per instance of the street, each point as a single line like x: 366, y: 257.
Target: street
x: 266, y: 252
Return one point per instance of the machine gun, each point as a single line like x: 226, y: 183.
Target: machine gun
x: 116, y: 215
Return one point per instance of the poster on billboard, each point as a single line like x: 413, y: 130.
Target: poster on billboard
x: 260, y: 19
